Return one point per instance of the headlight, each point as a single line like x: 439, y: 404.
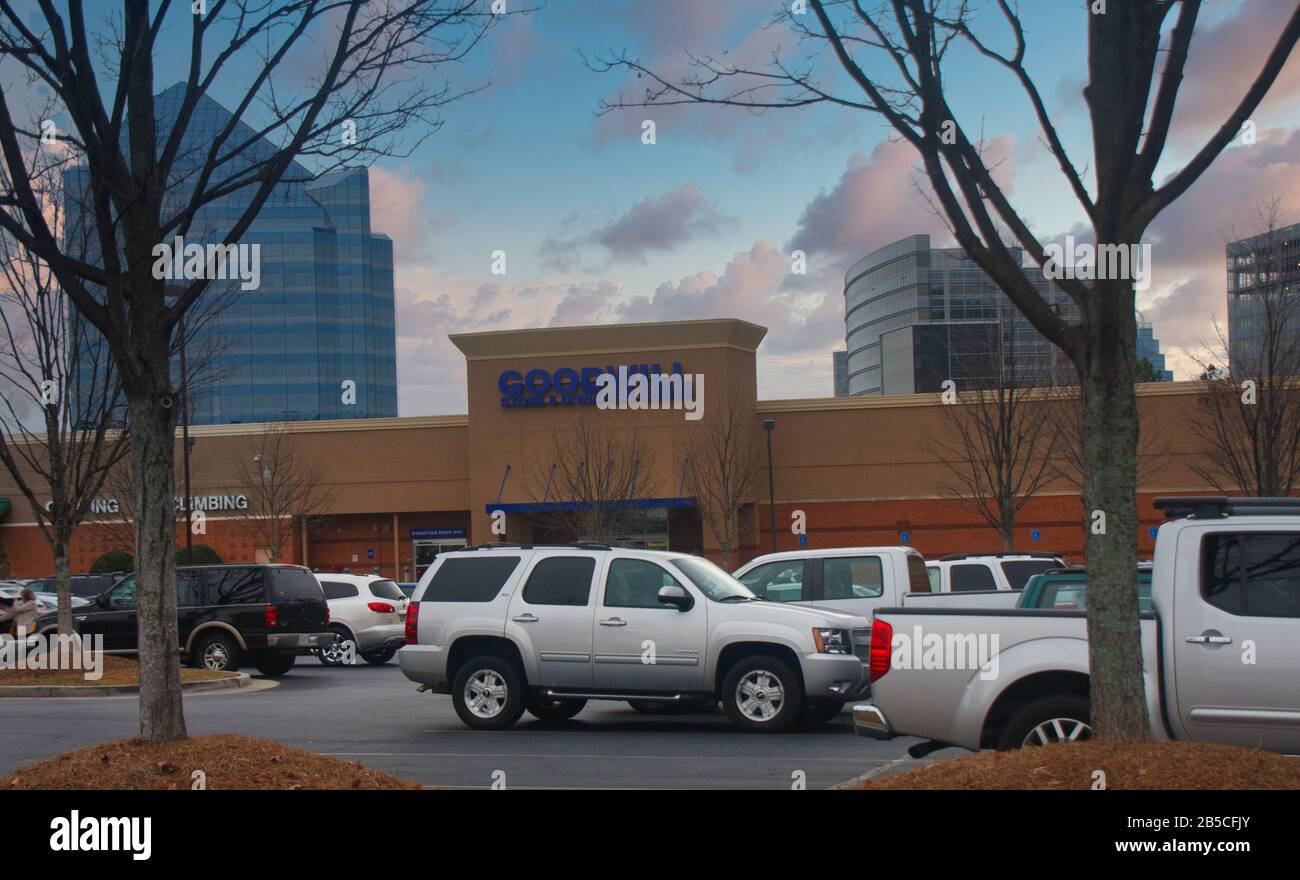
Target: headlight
x: 832, y: 641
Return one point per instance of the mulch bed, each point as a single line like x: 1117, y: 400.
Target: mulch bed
x: 117, y: 671
x: 229, y: 761
x: 1127, y: 765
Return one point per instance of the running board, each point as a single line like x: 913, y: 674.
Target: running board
x: 570, y: 695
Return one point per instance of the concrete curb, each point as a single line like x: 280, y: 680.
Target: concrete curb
x: 242, y: 679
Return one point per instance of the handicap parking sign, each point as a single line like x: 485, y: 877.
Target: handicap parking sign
x: 803, y: 540
x: 904, y: 537
x: 1035, y: 534
x: 1152, y: 532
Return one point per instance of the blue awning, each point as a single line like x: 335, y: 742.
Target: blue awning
x: 625, y: 504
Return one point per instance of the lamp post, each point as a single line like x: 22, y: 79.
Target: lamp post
x: 769, y: 425
x: 187, y: 441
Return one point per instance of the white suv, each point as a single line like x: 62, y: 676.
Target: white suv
x: 367, y: 617
x: 971, y: 572
x: 504, y: 629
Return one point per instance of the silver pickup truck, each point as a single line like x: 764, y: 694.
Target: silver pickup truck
x: 1221, y: 647
x: 505, y: 629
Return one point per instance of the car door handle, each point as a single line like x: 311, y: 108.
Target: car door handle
x: 613, y: 621
x: 525, y: 618
x: 1210, y: 637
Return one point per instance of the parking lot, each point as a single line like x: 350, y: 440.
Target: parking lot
x: 373, y: 715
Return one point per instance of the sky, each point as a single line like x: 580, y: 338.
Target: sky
x: 599, y: 227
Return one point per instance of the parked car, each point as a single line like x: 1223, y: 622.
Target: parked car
x: 504, y: 629
x: 225, y: 614
x: 84, y: 586
x: 367, y: 617
x: 854, y: 580
x: 966, y: 572
x: 1066, y: 588
x: 1226, y: 579
x: 9, y: 592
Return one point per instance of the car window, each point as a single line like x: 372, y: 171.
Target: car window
x: 292, y: 584
x: 852, y: 577
x: 635, y: 583
x: 1255, y: 574
x: 919, y: 579
x: 89, y: 587
x: 560, y: 580
x: 971, y: 576
x: 339, y: 590
x: 936, y: 578
x: 470, y: 579
x: 124, y: 596
x: 780, y: 581
x: 386, y: 590
x: 189, y: 589
x: 1019, y: 571
x: 715, y: 583
x: 235, y: 586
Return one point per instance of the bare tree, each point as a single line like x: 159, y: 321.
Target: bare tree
x: 893, y: 58
x: 722, y: 460
x: 149, y: 177
x: 997, y: 447
x: 61, y: 428
x: 1248, y: 416
x: 592, y: 474
x: 286, y: 490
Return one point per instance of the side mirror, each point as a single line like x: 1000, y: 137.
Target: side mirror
x: 676, y: 596
x: 102, y: 600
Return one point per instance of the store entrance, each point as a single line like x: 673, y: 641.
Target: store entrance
x: 426, y: 552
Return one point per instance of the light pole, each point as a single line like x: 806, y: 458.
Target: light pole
x: 187, y: 443
x: 769, y: 425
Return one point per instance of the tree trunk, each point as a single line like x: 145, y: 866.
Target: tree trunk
x: 63, y: 577
x: 1110, y: 439
x: 152, y: 418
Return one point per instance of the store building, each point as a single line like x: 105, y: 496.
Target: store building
x: 405, y: 489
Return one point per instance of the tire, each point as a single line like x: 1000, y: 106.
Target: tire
x: 821, y: 712
x: 336, y: 653
x: 1059, y: 718
x: 763, y: 694
x: 274, y: 665
x: 218, y: 652
x: 496, y: 710
x: 380, y: 657
x: 554, y: 710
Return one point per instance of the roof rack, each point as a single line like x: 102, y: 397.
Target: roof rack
x: 1219, y: 506
x: 591, y: 545
x: 1039, y: 555
x: 507, y: 545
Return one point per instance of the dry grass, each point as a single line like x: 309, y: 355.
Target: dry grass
x: 1130, y: 765
x: 229, y: 761
x: 117, y: 670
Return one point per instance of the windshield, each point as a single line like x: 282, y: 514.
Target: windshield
x: 712, y: 581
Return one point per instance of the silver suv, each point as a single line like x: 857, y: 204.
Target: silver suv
x: 507, y: 628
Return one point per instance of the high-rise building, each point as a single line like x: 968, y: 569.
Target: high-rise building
x: 1148, y: 349
x: 840, y: 360
x: 916, y: 316
x: 315, y: 337
x: 1263, y: 278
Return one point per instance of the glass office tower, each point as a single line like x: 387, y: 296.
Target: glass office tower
x: 320, y: 322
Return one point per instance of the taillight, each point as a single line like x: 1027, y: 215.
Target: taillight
x: 412, y: 621
x: 882, y: 635
x: 272, y: 615
x: 381, y: 608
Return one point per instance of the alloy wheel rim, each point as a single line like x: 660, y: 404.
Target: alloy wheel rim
x: 337, y: 650
x: 760, y: 695
x: 486, y: 693
x: 1055, y: 730
x: 215, y: 656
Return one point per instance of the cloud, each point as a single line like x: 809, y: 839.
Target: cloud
x: 662, y: 224
x: 399, y: 211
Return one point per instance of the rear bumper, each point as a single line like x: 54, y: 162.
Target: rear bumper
x: 297, y: 641
x: 388, y: 635
x: 426, y: 665
x: 868, y: 720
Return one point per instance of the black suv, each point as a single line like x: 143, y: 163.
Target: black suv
x: 224, y: 614
x: 84, y: 586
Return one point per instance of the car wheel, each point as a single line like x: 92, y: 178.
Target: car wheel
x: 1060, y: 718
x: 274, y: 665
x: 488, y: 693
x: 380, y: 657
x: 821, y: 712
x: 763, y: 694
x: 339, y: 651
x: 218, y: 652
x: 554, y: 710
